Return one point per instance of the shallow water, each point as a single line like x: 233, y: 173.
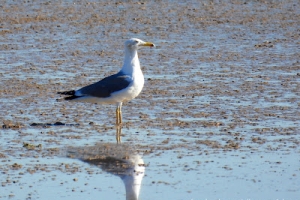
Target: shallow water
x: 218, y: 117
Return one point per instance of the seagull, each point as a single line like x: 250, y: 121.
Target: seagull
x: 117, y: 88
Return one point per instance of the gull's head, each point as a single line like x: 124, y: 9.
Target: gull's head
x: 135, y: 44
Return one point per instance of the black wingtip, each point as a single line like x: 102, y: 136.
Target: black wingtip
x: 71, y: 98
x: 71, y: 92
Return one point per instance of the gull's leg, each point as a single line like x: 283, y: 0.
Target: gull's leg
x: 120, y: 115
x: 119, y: 122
x: 118, y: 134
x: 117, y: 116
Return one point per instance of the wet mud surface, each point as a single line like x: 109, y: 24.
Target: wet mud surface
x: 220, y: 109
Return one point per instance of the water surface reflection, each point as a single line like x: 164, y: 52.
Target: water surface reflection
x: 121, y: 160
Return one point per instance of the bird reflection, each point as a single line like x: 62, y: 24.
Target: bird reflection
x: 118, y: 159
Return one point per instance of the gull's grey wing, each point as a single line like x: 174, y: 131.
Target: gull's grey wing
x: 106, y: 86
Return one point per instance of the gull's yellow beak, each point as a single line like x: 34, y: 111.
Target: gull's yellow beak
x: 148, y: 44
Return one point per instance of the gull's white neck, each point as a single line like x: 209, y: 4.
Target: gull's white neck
x: 131, y: 62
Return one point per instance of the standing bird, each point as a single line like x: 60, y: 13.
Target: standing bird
x: 117, y: 88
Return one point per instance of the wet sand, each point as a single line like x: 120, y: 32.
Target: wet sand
x: 220, y: 101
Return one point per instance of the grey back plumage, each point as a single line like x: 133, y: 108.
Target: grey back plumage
x: 106, y: 86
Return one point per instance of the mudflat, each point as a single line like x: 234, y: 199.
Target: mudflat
x: 218, y: 117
